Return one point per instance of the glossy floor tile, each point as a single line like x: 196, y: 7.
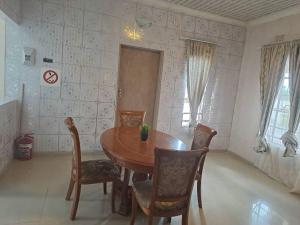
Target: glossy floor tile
x: 235, y: 193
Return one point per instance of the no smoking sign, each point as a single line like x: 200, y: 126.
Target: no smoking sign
x: 50, y: 77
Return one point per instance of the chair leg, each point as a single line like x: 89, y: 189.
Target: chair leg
x: 113, y: 195
x: 169, y: 219
x: 104, y: 188
x: 76, y: 200
x: 185, y: 218
x: 150, y: 219
x: 134, y: 209
x: 199, y: 181
x: 199, y: 193
x: 70, y: 189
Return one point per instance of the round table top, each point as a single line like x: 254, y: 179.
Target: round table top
x: 124, y: 146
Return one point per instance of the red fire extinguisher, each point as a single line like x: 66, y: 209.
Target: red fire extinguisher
x: 23, y: 147
x: 24, y: 143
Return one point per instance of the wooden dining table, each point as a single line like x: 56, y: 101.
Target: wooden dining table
x: 123, y: 146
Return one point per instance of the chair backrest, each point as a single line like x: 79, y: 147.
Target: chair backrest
x: 202, y: 136
x: 174, y: 175
x: 131, y: 118
x: 76, y: 159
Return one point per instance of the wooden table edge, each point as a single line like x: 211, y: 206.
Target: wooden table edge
x: 129, y: 164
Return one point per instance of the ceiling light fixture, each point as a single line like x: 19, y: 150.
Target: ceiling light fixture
x: 136, y: 32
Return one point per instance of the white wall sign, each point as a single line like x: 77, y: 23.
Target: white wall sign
x: 50, y: 77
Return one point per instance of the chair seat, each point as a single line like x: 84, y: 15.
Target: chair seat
x: 99, y: 171
x: 143, y: 190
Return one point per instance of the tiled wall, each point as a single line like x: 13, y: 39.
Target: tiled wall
x: 83, y: 38
x: 8, y: 132
x: 13, y: 51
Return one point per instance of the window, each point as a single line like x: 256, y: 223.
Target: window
x: 2, y: 56
x: 280, y: 115
x: 186, y: 117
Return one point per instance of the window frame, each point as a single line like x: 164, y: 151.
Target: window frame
x: 184, y: 122
x: 278, y: 109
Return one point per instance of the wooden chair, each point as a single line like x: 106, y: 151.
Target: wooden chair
x: 88, y: 172
x: 131, y: 118
x: 202, y: 138
x: 168, y: 194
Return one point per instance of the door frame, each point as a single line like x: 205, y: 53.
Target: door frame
x: 158, y: 82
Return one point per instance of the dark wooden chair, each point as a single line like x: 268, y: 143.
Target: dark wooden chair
x: 88, y: 172
x: 131, y: 118
x: 202, y: 138
x: 168, y: 194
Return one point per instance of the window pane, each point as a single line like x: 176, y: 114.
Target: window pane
x: 284, y: 104
x: 186, y: 111
x: 2, y: 56
x: 298, y: 135
x: 282, y: 120
x: 185, y: 124
x: 278, y: 133
x: 272, y: 121
x: 280, y: 114
x: 186, y: 117
x: 286, y: 83
x: 277, y: 141
x: 199, y: 117
x: 286, y: 69
x: 270, y: 130
x: 186, y: 108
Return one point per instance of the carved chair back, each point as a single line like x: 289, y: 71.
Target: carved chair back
x: 76, y: 151
x: 173, y: 179
x: 202, y: 136
x: 131, y: 118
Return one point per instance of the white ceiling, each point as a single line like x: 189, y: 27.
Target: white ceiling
x: 243, y: 10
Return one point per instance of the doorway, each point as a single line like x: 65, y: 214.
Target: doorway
x: 138, y: 84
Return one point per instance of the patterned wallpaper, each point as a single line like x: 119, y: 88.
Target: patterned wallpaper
x: 83, y: 38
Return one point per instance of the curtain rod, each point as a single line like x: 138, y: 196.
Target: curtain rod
x: 194, y: 39
x: 281, y: 42
x: 277, y: 43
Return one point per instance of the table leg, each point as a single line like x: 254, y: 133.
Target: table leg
x: 125, y: 200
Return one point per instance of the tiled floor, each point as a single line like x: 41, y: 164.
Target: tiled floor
x: 235, y: 193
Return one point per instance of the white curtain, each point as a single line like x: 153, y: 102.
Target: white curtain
x: 199, y: 56
x: 289, y: 139
x: 273, y: 60
x: 283, y: 169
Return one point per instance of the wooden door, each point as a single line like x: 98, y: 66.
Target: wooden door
x: 138, y: 76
